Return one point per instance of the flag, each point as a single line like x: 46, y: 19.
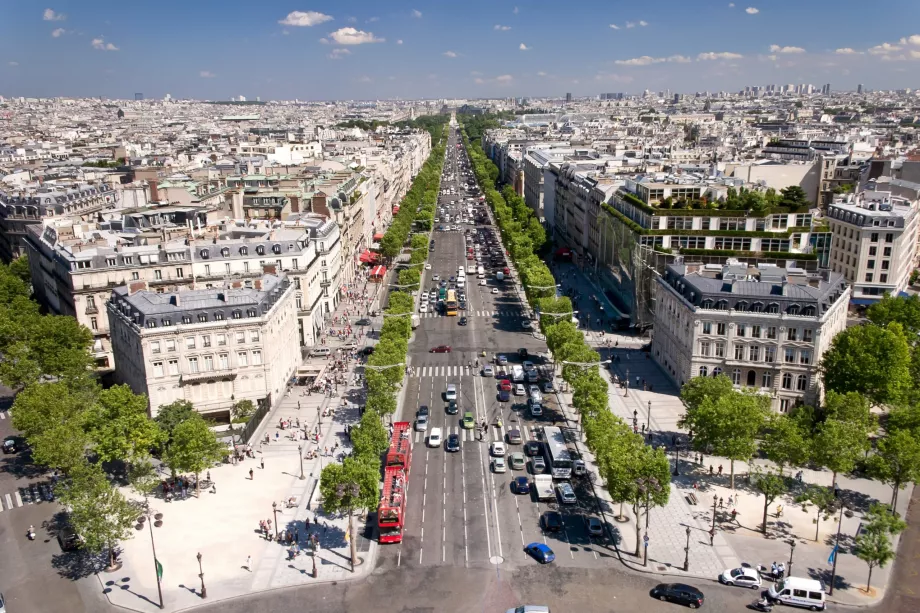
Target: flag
x: 833, y: 556
x: 159, y: 570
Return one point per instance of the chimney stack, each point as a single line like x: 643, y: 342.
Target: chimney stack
x: 154, y: 192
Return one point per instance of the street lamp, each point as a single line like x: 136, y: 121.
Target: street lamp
x: 275, y: 515
x: 158, y: 521
x: 648, y: 419
x: 830, y: 592
x: 791, y: 552
x: 204, y: 590
x: 646, y: 485
x: 687, y: 552
x: 712, y: 533
x: 676, y: 459
x: 300, y: 455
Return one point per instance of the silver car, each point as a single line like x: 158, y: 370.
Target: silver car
x: 421, y: 423
x: 566, y: 493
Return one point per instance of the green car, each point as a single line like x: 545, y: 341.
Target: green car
x: 468, y: 421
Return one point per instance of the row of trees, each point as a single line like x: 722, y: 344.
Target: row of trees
x: 75, y: 426
x: 633, y: 472
x: 354, y: 484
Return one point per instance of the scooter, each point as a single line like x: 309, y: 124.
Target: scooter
x: 760, y: 605
x: 31, y: 533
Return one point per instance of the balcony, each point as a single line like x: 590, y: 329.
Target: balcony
x: 207, y: 376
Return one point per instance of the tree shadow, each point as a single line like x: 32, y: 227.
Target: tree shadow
x: 79, y: 564
x: 824, y: 575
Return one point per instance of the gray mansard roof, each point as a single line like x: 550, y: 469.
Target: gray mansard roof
x: 767, y: 289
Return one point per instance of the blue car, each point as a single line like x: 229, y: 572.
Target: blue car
x: 504, y: 395
x: 540, y: 552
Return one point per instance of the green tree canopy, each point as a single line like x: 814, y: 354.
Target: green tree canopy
x: 896, y: 461
x: 118, y: 425
x: 349, y: 487
x: 871, y: 360
x: 194, y: 448
x: 697, y: 389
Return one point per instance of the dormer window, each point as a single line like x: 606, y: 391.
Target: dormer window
x: 251, y: 313
x: 773, y: 308
x: 793, y: 309
x: 204, y: 254
x: 244, y: 250
x: 276, y: 248
x: 202, y: 317
x: 237, y: 315
x: 186, y: 319
x: 225, y: 252
x: 218, y: 316
x: 260, y: 250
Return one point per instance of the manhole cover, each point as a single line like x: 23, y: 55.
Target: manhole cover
x: 496, y: 559
x: 662, y: 568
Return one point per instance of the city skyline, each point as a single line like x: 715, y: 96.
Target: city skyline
x: 358, y: 50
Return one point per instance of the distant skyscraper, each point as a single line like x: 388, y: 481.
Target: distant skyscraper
x: 568, y: 97
x: 859, y: 88
x: 138, y: 96
x: 242, y: 99
x: 167, y: 97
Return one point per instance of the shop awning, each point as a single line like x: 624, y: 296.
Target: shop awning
x: 368, y: 257
x: 378, y: 236
x: 563, y: 251
x: 379, y: 271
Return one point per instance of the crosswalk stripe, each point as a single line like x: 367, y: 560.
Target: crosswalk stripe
x: 3, y: 415
x: 17, y: 498
x: 9, y: 501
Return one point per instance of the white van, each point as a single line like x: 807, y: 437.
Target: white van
x: 799, y: 592
x: 321, y: 352
x: 460, y: 271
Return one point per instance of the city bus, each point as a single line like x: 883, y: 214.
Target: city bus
x: 451, y: 303
x: 558, y: 457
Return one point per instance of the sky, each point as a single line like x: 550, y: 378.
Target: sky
x: 363, y: 49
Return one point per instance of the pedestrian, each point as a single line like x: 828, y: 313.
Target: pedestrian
x: 720, y: 470
x: 712, y: 536
x: 720, y: 502
x: 297, y: 536
x: 250, y: 474
x: 710, y: 469
x: 263, y: 463
x: 248, y: 564
x: 734, y: 514
x: 730, y: 501
x: 209, y: 475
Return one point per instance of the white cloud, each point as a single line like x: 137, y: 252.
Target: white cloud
x: 475, y: 73
x: 541, y: 74
x: 351, y: 36
x: 100, y: 45
x: 778, y: 49
x: 416, y: 13
x: 206, y: 74
x: 501, y: 28
x: 479, y: 81
x: 847, y: 51
x: 630, y: 24
x: 893, y: 58
x: 731, y: 5
x: 450, y: 53
x: 50, y: 15
x: 58, y: 32
x: 366, y: 79
x: 524, y: 47
x: 912, y: 40
x: 772, y: 58
x: 614, y: 26
x: 13, y: 63
x: 613, y: 77
x: 338, y: 53
x: 680, y: 59
x: 884, y: 48
x: 304, y: 19
x: 373, y: 19
x: 399, y: 42
x: 751, y: 10
x: 643, y: 23
x: 505, y: 78
x: 352, y: 20
x: 645, y: 60
x: 515, y: 11
x: 723, y: 55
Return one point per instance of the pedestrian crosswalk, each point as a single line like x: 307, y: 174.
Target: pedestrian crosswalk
x: 502, y: 313
x: 494, y: 434
x: 443, y: 371
x: 10, y: 501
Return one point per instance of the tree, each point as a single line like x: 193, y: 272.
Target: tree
x: 784, y: 441
x: 728, y: 425
x: 614, y: 446
x: 369, y: 438
x: 793, y: 197
x: 698, y: 389
x: 242, y: 410
x: 903, y: 310
x: 349, y: 487
x: 870, y: 360
x: 652, y: 467
x: 52, y: 417
x: 561, y: 334
x: 118, y: 425
x: 873, y: 546
x: 896, y: 461
x: 194, y: 448
x: 824, y: 501
x: 771, y: 486
x: 838, y: 445
x: 99, y: 513
x: 171, y: 415
x: 19, y: 268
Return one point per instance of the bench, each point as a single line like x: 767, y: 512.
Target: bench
x: 691, y: 498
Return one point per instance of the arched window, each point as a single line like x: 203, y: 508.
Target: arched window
x: 276, y: 248
x: 251, y: 313
x: 793, y: 309
x: 225, y: 251
x: 204, y: 254
x: 704, y: 371
x: 751, y: 378
x: 716, y: 371
x: 260, y: 250
x: 787, y: 381
x: 736, y: 376
x: 801, y: 383
x: 244, y: 250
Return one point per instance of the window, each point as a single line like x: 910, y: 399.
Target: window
x: 179, y: 273
x: 135, y: 276
x: 720, y: 329
x: 801, y: 383
x: 870, y: 264
x: 251, y: 313
x: 873, y: 251
x: 790, y: 356
x: 869, y: 277
x: 158, y: 369
x: 742, y: 330
x: 221, y: 340
x: 242, y: 358
x: 150, y: 323
x: 218, y: 316
x: 158, y: 275
x: 757, y: 307
x: 792, y: 334
x: 245, y: 266
x: 741, y: 305
x: 294, y: 264
x: 93, y: 323
x: 787, y: 381
x: 207, y: 270
x: 783, y: 405
x: 705, y: 347
x: 254, y: 336
x: 755, y: 331
x: 202, y: 317
x: 173, y: 367
x: 237, y: 314
x: 883, y: 278
x: 751, y: 378
x: 170, y: 344
x: 736, y: 376
x: 297, y: 282
x: 190, y: 342
x: 208, y: 362
x: 754, y: 354
x: 807, y: 335
x: 771, y: 332
x: 227, y: 268
x: 887, y: 252
x: 299, y: 302
x: 874, y: 237
x: 804, y: 357
x: 707, y: 327
x: 240, y: 338
x: 155, y: 347
x: 206, y: 340
x: 720, y: 350
x: 766, y: 380
x: 769, y: 354
x: 224, y: 361
x: 704, y: 371
x: 772, y: 308
x: 792, y: 309
x: 91, y: 302
x: 256, y: 358
x: 186, y: 319
x: 885, y: 264
x: 193, y: 365
x: 739, y: 352
x: 889, y: 238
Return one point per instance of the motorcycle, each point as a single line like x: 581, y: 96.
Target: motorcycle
x: 31, y: 533
x: 761, y: 605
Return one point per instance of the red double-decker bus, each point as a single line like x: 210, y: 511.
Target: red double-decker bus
x: 400, y: 451
x: 391, y: 514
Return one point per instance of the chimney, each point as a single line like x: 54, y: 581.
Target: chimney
x: 258, y: 284
x: 133, y: 288
x: 270, y: 269
x: 154, y: 192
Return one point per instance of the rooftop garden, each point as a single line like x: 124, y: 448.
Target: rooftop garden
x: 741, y: 203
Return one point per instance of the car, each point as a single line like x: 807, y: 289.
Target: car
x: 498, y: 465
x: 421, y: 423
x: 514, y: 436
x: 502, y: 359
x: 68, y: 539
x: 594, y: 526
x: 536, y: 409
x: 10, y: 445
x: 506, y: 270
x: 534, y: 393
x: 517, y: 461
x: 423, y: 307
x: 494, y: 290
x: 453, y: 443
x: 523, y: 353
x: 469, y: 257
x: 520, y: 485
x: 488, y: 371
x: 427, y: 266
x: 468, y: 420
x: 551, y: 521
x: 441, y: 349
x: 462, y: 321
x: 680, y: 593
x: 533, y: 448
x: 482, y: 282
x: 423, y: 410
x: 540, y: 552
x: 504, y: 396
x: 434, y: 438
x: 452, y: 279
x: 548, y: 387
x: 566, y: 493
x: 497, y: 448
x: 451, y: 408
x: 527, y: 324
x: 363, y: 322
x: 519, y: 389
x: 743, y: 576
x: 436, y: 278
x: 451, y: 393
x: 504, y: 385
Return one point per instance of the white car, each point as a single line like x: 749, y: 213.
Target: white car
x: 434, y: 437
x: 518, y: 389
x: 487, y: 371
x: 527, y: 324
x: 423, y: 308
x: 566, y: 493
x: 436, y: 278
x: 497, y: 449
x: 743, y: 576
x: 482, y: 282
x: 427, y: 266
x: 498, y: 465
x: 535, y: 393
x: 494, y: 290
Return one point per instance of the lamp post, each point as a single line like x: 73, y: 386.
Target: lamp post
x: 626, y: 388
x: 158, y: 520
x: 687, y: 552
x: 275, y: 516
x: 300, y: 455
x: 645, y: 486
x: 712, y: 533
x: 648, y: 418
x: 204, y: 590
x: 830, y: 592
x: 677, y: 459
x: 791, y: 552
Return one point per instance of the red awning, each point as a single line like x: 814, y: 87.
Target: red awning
x: 378, y: 236
x: 368, y: 257
x: 563, y: 251
x: 379, y: 271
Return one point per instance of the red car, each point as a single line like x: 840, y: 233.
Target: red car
x: 505, y: 385
x: 506, y: 270
x: 441, y: 349
x: 470, y: 257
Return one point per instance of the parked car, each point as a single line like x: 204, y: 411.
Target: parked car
x: 551, y: 521
x: 540, y: 552
x: 681, y: 593
x: 594, y: 526
x: 743, y: 576
x: 520, y: 485
x: 566, y: 493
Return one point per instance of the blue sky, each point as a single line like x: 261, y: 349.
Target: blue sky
x: 361, y: 49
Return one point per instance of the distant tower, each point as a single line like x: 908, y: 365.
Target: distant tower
x: 568, y: 98
x: 138, y: 96
x: 859, y: 88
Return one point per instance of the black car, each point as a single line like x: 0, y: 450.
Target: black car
x: 462, y: 321
x: 533, y: 448
x: 681, y: 593
x: 10, y: 445
x: 520, y: 485
x: 363, y: 322
x: 451, y: 408
x: 68, y: 539
x: 453, y: 442
x: 552, y: 521
x: 423, y: 410
x: 367, y: 351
